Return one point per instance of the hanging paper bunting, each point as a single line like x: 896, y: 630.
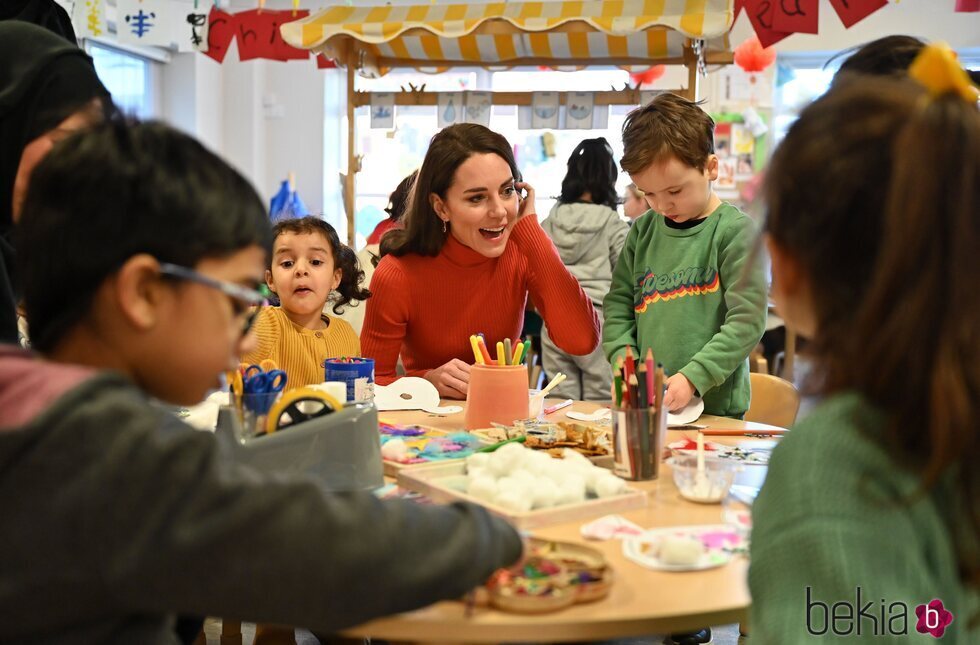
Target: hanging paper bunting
x: 796, y: 16
x: 322, y: 62
x: 449, y: 109
x: 88, y: 17
x: 382, y: 110
x: 478, y: 107
x: 579, y: 107
x: 193, y: 31
x: 258, y: 35
x: 739, y: 5
x: 967, y: 6
x: 221, y: 29
x: 145, y: 22
x: 852, y: 11
x: 761, y: 14
x: 544, y: 110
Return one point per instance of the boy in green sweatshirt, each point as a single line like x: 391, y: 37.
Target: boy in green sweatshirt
x: 686, y: 284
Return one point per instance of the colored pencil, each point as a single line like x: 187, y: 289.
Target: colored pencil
x: 518, y: 350
x: 558, y: 406
x: 630, y: 364
x: 650, y: 377
x: 508, y: 352
x: 477, y: 354
x: 634, y: 389
x: 483, y: 350
x: 643, y: 385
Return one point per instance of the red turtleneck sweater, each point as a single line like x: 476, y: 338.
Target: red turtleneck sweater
x: 427, y: 307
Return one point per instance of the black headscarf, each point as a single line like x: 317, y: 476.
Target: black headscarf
x: 46, y: 13
x: 44, y: 79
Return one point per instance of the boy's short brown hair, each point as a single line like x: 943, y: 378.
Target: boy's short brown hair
x: 668, y: 125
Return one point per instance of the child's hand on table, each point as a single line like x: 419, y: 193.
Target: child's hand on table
x: 452, y: 380
x: 679, y: 393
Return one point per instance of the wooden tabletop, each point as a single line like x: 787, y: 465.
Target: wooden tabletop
x: 641, y: 601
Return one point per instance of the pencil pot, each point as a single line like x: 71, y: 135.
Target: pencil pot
x: 637, y: 442
x: 357, y: 373
x: 497, y: 394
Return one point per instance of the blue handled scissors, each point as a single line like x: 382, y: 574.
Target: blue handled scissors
x: 264, y: 382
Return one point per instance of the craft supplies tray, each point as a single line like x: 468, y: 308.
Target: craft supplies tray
x: 591, y: 441
x: 440, y: 482
x: 423, y: 447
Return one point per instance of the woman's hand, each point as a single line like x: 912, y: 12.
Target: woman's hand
x: 452, y: 379
x: 679, y: 392
x: 526, y: 203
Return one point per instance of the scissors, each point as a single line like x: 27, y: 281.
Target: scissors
x: 259, y: 382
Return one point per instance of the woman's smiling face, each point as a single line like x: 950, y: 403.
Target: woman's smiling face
x: 481, y: 204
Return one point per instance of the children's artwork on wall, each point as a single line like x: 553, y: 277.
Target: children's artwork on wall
x: 544, y: 110
x: 449, y: 109
x: 578, y: 110
x: 145, y: 22
x: 726, y: 173
x: 382, y: 110
x: 258, y: 35
x: 723, y: 139
x: 478, y: 106
x: 88, y: 17
x: 742, y: 140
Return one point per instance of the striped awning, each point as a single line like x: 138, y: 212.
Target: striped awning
x: 589, y: 32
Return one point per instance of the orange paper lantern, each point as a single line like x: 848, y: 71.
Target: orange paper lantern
x: 752, y: 56
x: 649, y: 76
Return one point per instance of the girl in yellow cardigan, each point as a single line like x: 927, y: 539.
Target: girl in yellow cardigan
x: 310, y: 267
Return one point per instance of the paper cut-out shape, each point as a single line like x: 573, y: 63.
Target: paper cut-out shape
x: 146, y: 22
x: 853, y: 11
x: 382, y: 110
x: 221, y: 29
x: 796, y: 16
x: 88, y: 17
x: 449, y: 109
x: 578, y: 110
x: 544, y: 110
x: 478, y: 106
x: 411, y: 393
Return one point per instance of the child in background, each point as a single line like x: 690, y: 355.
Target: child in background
x: 873, y: 234
x: 116, y: 513
x: 310, y: 267
x: 686, y: 284
x: 589, y: 234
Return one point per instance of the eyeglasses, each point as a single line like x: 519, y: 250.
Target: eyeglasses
x: 251, y: 298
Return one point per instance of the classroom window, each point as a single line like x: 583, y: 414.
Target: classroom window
x: 129, y: 79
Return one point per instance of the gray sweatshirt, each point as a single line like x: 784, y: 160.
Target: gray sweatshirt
x: 116, y: 516
x: 589, y: 238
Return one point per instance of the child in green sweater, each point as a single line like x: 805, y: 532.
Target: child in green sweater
x: 868, y: 525
x: 686, y: 283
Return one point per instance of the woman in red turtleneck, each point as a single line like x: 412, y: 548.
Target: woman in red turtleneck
x: 470, y: 254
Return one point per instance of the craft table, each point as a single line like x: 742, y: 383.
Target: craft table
x: 641, y: 602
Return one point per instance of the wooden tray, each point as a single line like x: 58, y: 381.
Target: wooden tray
x: 426, y: 480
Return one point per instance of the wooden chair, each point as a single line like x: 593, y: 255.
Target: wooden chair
x: 774, y: 401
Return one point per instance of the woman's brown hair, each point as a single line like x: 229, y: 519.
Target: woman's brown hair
x: 449, y: 148
x: 875, y: 192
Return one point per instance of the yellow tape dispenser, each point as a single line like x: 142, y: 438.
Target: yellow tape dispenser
x: 299, y: 405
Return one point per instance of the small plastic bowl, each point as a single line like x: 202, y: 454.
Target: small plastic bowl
x: 719, y: 474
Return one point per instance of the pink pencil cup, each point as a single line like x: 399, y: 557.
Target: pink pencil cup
x: 497, y: 394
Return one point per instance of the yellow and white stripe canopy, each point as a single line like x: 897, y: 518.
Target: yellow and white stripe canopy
x: 585, y: 32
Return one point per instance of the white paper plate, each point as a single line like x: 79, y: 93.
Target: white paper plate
x: 720, y: 541
x: 687, y: 414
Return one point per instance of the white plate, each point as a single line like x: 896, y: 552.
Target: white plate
x: 719, y: 541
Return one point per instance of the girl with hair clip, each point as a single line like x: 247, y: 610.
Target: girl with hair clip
x: 470, y: 255
x: 872, y: 500
x: 310, y: 267
x: 589, y: 234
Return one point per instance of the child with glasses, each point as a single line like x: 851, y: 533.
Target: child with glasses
x: 140, y: 253
x: 310, y: 268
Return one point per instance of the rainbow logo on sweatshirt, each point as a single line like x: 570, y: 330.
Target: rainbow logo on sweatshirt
x: 692, y: 281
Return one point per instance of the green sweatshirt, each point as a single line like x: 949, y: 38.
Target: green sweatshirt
x: 691, y: 296
x: 841, y: 529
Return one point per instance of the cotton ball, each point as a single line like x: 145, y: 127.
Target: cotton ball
x: 513, y: 500
x: 509, y: 484
x: 574, y: 457
x: 476, y: 473
x: 590, y: 475
x: 680, y: 550
x: 607, y: 485
x: 572, y: 490
x: 395, y: 450
x: 537, y: 461
x: 552, y: 470
x: 477, y: 460
x: 524, y: 477
x: 483, y: 488
x: 502, y: 462
x: 544, y: 494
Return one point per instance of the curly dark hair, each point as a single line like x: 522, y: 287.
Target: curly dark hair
x: 344, y: 258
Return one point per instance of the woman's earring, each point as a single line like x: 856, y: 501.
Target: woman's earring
x: 443, y: 226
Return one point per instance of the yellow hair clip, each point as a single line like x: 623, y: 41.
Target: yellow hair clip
x: 938, y: 70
